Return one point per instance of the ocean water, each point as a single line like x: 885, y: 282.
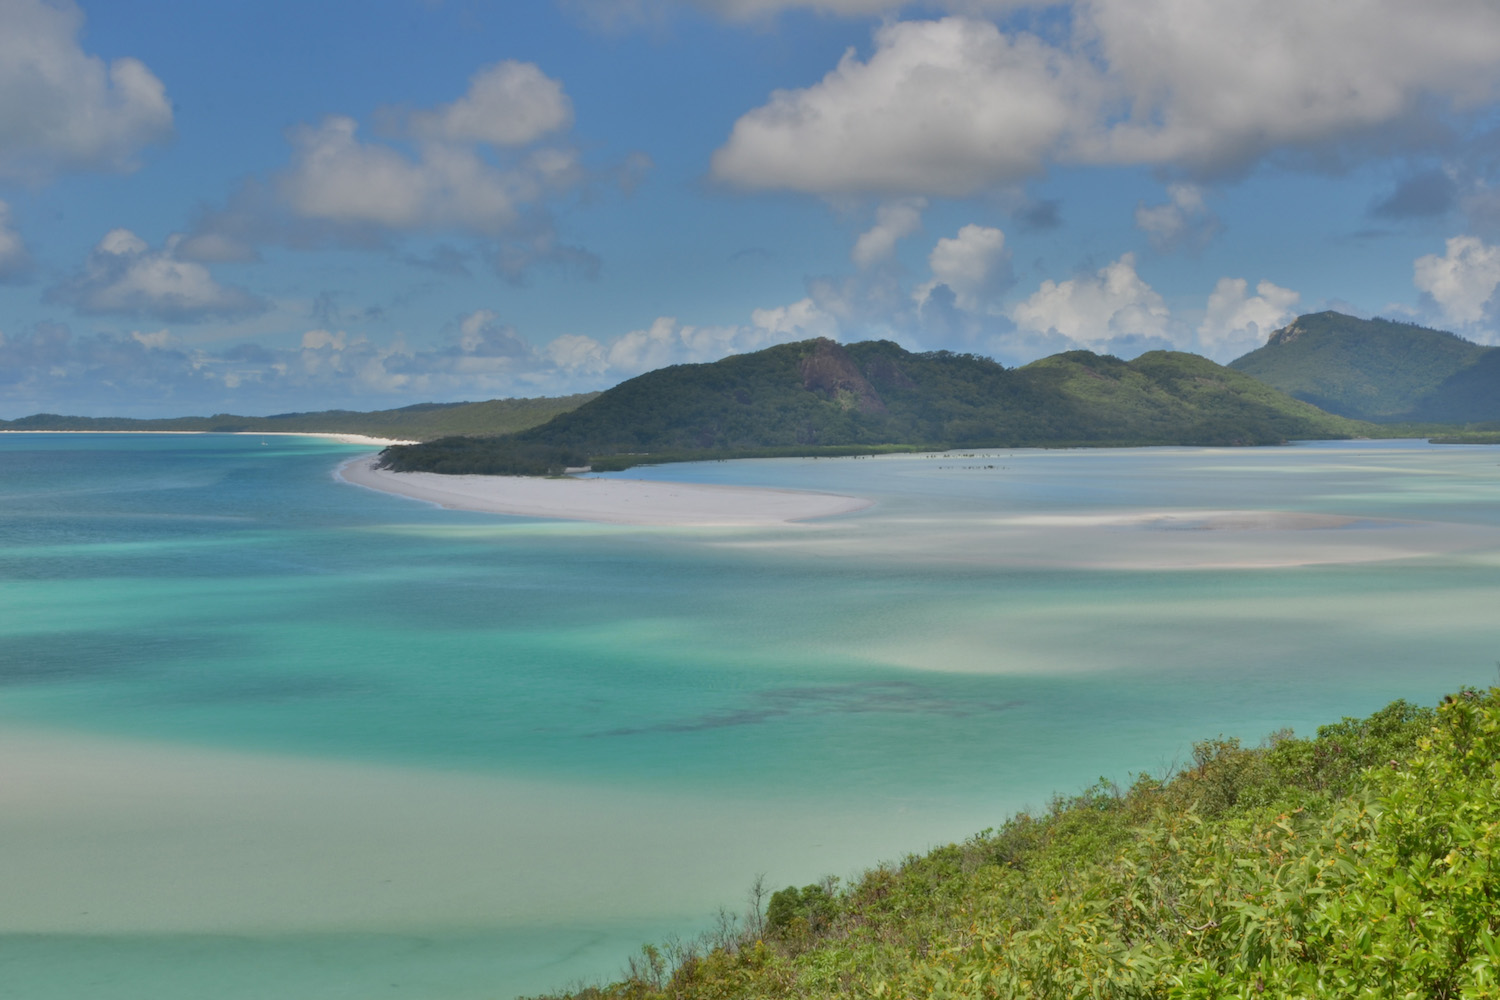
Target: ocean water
x: 265, y: 734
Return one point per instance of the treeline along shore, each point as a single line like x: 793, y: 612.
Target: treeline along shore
x: 419, y: 422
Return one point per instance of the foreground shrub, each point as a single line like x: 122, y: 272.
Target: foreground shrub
x: 1362, y: 863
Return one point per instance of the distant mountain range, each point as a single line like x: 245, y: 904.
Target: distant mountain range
x: 412, y: 423
x: 1319, y: 377
x: 1380, y: 370
x: 820, y: 397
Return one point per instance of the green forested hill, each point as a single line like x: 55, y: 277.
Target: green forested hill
x: 420, y: 422
x: 1469, y: 395
x: 1362, y: 863
x: 1169, y: 397
x: 815, y: 395
x: 1379, y: 370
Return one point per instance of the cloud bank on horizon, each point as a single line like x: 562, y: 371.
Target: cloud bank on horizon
x: 261, y: 210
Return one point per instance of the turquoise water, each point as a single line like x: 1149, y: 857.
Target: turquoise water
x: 552, y: 741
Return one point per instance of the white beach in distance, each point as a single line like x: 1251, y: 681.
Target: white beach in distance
x: 328, y: 436
x: 340, y: 437
x: 609, y: 501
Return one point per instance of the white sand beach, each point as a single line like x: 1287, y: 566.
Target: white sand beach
x: 378, y: 442
x: 610, y: 501
x: 341, y: 438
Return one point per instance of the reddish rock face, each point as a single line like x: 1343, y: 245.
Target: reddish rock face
x: 829, y: 370
x: 1286, y: 334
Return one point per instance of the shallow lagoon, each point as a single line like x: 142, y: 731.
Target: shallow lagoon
x: 266, y: 734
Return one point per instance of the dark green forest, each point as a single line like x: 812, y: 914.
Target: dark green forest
x: 819, y: 397
x: 1380, y: 370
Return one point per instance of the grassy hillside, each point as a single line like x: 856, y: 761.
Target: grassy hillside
x: 1364, y: 862
x: 810, y: 397
x: 1379, y: 370
x: 421, y: 422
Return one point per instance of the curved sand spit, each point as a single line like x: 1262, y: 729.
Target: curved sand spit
x: 612, y: 501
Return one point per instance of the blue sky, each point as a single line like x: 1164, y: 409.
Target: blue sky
x: 264, y: 206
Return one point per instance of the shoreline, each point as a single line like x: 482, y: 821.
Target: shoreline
x: 636, y: 502
x: 339, y: 436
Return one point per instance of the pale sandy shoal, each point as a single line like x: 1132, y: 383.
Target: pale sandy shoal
x: 1201, y: 520
x: 611, y: 501
x: 105, y: 835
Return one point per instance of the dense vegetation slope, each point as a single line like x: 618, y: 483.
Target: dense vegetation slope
x: 1379, y: 370
x: 1362, y: 863
x: 417, y: 423
x: 813, y: 396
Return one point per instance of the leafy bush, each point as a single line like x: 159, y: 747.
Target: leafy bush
x: 1362, y: 863
x: 500, y: 456
x: 794, y: 912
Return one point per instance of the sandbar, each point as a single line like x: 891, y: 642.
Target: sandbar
x: 609, y: 501
x: 1202, y: 520
x: 114, y: 835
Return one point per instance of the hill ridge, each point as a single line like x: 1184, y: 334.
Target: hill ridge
x: 1379, y: 369
x: 809, y: 396
x: 418, y: 421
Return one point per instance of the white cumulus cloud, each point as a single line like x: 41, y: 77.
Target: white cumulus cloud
x: 804, y: 319
x: 1236, y: 322
x: 750, y: 9
x: 1095, y: 309
x: 156, y: 339
x: 487, y: 167
x: 1215, y: 86
x: 1183, y: 222
x: 124, y: 276
x: 1463, y: 281
x: 508, y: 104
x: 958, y: 105
x: 336, y: 177
x: 15, y: 260
x: 473, y: 166
x: 894, y: 221
x: 63, y: 109
x: 576, y: 353
x: 669, y: 342
x: 478, y: 356
x: 974, y: 265
x: 941, y: 107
